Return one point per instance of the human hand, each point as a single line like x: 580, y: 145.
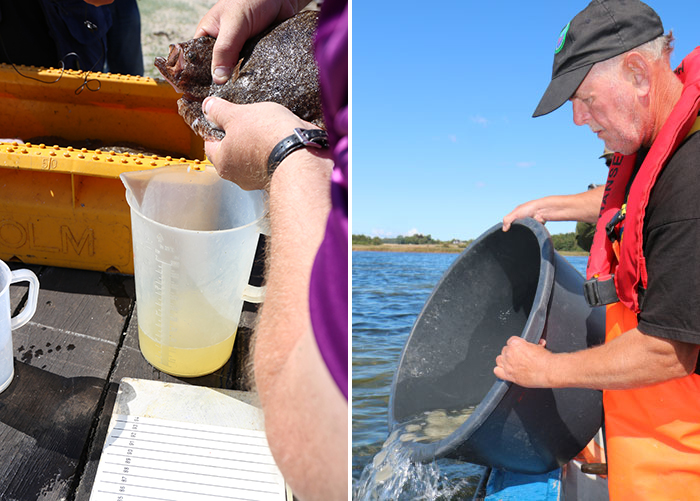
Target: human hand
x: 523, y: 363
x: 233, y: 22
x: 252, y: 131
x: 532, y: 209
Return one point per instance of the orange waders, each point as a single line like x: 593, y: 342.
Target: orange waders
x: 652, y: 433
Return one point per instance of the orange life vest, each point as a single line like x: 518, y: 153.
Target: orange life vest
x: 653, y: 432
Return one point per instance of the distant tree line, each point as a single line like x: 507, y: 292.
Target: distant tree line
x: 562, y: 241
x: 365, y: 240
x: 401, y: 240
x: 566, y: 242
x: 416, y: 239
x: 413, y: 239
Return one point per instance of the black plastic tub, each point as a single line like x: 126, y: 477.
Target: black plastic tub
x: 504, y: 284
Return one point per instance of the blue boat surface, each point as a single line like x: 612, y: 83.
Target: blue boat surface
x: 568, y: 483
x: 507, y: 486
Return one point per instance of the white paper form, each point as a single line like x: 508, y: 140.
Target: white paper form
x: 165, y: 442
x: 152, y: 459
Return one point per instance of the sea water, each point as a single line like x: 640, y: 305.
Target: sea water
x: 388, y: 292
x: 392, y: 475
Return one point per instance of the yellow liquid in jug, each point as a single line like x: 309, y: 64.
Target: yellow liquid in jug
x: 186, y: 362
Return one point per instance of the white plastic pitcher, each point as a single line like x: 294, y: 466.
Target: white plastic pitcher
x: 9, y: 323
x: 194, y: 236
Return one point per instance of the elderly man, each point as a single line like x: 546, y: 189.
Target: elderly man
x: 612, y: 62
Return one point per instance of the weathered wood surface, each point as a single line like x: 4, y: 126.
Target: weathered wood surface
x: 69, y: 360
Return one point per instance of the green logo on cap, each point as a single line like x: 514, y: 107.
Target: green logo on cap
x: 562, y: 38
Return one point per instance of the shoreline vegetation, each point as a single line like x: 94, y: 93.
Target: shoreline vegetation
x: 567, y: 244
x: 449, y: 248
x: 433, y: 248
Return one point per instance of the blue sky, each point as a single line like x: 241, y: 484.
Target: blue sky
x: 443, y: 142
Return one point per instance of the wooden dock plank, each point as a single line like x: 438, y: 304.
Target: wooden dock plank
x: 45, y: 422
x: 78, y: 323
x: 63, y: 359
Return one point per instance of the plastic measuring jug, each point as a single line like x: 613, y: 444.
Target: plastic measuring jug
x: 9, y: 323
x: 194, y: 237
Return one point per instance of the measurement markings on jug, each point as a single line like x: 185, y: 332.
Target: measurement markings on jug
x: 166, y: 303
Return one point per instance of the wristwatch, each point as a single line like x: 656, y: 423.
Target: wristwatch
x: 302, y: 138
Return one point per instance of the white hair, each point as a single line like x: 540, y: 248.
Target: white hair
x: 659, y: 47
x: 656, y: 49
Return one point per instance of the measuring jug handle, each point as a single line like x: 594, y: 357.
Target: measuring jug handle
x: 264, y: 225
x: 254, y: 294
x: 30, y: 308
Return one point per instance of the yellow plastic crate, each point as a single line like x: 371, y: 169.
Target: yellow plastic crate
x: 66, y: 206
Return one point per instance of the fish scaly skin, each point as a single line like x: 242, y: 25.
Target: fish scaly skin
x: 277, y: 65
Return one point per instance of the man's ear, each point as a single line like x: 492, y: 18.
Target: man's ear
x: 637, y: 71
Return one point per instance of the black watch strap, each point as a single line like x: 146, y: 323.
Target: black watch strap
x: 302, y: 138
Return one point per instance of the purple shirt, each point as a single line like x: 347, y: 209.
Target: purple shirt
x: 328, y: 295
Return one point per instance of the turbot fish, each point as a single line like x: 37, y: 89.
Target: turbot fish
x: 278, y: 65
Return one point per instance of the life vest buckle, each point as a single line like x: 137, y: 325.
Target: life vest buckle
x: 600, y: 290
x: 610, y: 230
